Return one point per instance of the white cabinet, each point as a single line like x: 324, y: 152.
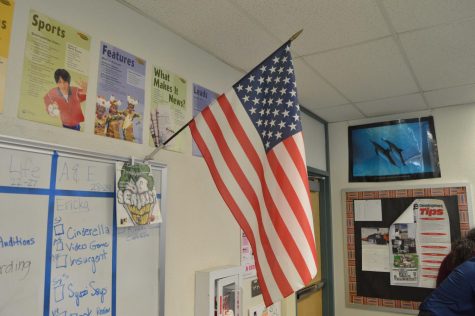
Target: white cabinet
x: 218, y: 291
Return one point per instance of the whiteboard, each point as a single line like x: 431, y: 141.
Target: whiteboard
x: 61, y: 253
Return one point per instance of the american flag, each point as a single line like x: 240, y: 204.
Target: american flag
x: 251, y: 139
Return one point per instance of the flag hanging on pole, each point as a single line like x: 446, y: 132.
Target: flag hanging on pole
x: 251, y: 139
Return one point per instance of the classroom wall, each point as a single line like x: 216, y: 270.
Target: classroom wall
x: 201, y: 232
x: 454, y: 130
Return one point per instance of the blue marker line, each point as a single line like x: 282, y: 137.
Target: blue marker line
x: 49, y: 236
x: 18, y: 190
x: 84, y: 193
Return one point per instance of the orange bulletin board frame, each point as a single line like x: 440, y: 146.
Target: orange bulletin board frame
x: 463, y: 201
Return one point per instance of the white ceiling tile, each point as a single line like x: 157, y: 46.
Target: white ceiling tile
x: 368, y: 71
x: 409, y: 14
x: 339, y: 113
x: 400, y: 104
x: 313, y: 92
x: 216, y: 26
x: 442, y: 56
x: 327, y: 24
x: 451, y: 96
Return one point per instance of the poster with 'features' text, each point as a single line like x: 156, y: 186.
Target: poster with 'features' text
x: 55, y: 69
x: 168, y: 108
x: 120, y: 95
x: 6, y: 15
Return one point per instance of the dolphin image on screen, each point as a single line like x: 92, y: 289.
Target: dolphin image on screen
x: 384, y: 153
x: 395, y: 149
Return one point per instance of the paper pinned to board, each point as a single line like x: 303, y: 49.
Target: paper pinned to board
x: 420, y: 239
x: 368, y: 210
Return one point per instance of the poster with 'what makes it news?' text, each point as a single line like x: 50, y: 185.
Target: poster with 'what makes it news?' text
x: 55, y: 68
x: 168, y: 108
x: 6, y: 16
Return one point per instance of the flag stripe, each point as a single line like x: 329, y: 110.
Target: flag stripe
x: 298, y: 210
x: 249, y: 170
x: 230, y: 202
x: 286, y: 237
x: 296, y: 181
x: 239, y: 197
x: 258, y: 162
x: 250, y: 194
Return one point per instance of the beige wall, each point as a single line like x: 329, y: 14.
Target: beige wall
x: 455, y: 131
x: 201, y: 232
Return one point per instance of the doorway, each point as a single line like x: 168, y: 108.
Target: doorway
x: 316, y: 299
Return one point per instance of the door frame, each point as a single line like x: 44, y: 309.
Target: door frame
x: 326, y: 246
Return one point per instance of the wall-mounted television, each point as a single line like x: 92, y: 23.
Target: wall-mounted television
x: 393, y: 150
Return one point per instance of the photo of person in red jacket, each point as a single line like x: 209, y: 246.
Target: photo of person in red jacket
x: 65, y: 101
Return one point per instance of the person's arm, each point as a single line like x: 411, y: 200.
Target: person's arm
x: 82, y: 90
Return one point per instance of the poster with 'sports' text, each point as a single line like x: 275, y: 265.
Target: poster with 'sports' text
x: 55, y: 73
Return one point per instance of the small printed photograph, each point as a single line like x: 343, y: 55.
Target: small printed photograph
x: 404, y: 276
x: 403, y: 238
x: 407, y: 261
x: 374, y: 235
x: 375, y: 249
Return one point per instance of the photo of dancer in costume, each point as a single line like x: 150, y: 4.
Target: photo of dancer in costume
x: 114, y: 119
x: 100, y: 124
x: 129, y: 116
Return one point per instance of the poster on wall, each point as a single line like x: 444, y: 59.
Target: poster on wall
x: 168, y: 108
x: 393, y: 150
x: 55, y: 69
x: 6, y: 19
x: 375, y: 249
x: 247, y: 257
x: 136, y: 200
x: 420, y: 240
x: 120, y: 95
x: 202, y: 97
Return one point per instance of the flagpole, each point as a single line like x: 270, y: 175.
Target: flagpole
x: 155, y: 151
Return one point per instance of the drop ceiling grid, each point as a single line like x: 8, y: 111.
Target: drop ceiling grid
x: 313, y: 91
x: 396, y: 105
x: 214, y: 25
x: 369, y: 71
x: 442, y: 56
x: 451, y: 96
x: 409, y: 15
x: 327, y: 24
x: 353, y: 56
x: 346, y: 112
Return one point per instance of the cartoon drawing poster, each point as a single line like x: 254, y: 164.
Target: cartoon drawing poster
x: 6, y: 16
x: 55, y: 68
x: 202, y: 97
x: 136, y: 200
x: 120, y: 95
x: 168, y: 108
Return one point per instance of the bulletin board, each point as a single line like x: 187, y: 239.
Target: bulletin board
x: 61, y: 252
x: 371, y: 289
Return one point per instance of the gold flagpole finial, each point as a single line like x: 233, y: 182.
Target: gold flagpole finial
x: 296, y: 35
